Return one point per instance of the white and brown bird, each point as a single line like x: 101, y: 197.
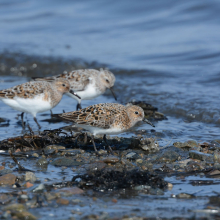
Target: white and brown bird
x: 36, y: 96
x: 87, y: 83
x: 106, y: 118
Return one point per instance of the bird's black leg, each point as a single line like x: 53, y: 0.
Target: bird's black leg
x: 104, y: 139
x: 37, y: 123
x: 93, y: 142
x: 85, y: 138
x: 78, y: 106
x: 22, y: 120
x: 51, y: 113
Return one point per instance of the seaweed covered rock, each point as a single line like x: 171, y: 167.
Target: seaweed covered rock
x: 107, y: 179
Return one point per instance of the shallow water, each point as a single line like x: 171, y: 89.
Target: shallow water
x: 163, y: 52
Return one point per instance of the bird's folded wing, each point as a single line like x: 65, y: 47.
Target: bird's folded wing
x: 26, y: 90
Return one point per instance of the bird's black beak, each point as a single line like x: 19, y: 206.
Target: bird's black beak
x: 148, y: 122
x: 113, y: 93
x: 73, y: 93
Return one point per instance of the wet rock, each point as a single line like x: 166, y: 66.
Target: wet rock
x: 201, y: 156
x: 201, y: 182
x: 132, y: 156
x: 153, y: 191
x: 72, y: 152
x: 5, y: 171
x: 23, y: 215
x: 214, y: 200
x: 55, y: 147
x: 22, y: 198
x: 29, y: 176
x: 132, y: 143
x: 170, y: 186
x: 42, y: 162
x: 76, y: 201
x: 216, y: 166
x: 186, y: 145
x: 168, y: 156
x: 7, y: 179
x: 71, y: 191
x: 39, y: 188
x: 15, y: 207
x: 214, y: 145
x: 150, y: 145
x: 2, y: 167
x: 28, y: 185
x: 142, y: 187
x: 185, y: 196
x: 35, y: 155
x: 67, y: 162
x: 109, y: 179
x: 139, y: 161
x: 193, y: 166
x: 5, y: 199
x: 62, y: 201
x: 111, y: 160
x: 184, y: 163
x: 213, y: 173
x: 94, y: 166
x: 51, y: 196
x: 216, y: 156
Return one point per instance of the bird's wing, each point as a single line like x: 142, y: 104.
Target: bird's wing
x: 78, y: 79
x: 98, y: 115
x: 25, y: 90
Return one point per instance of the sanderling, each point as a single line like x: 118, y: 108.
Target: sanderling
x: 36, y: 96
x: 87, y: 83
x: 107, y: 118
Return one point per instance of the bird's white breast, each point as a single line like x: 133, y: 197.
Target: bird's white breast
x: 90, y: 92
x: 31, y: 106
x: 97, y: 130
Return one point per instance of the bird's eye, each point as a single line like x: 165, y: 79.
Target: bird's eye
x: 136, y: 113
x: 64, y: 85
x: 107, y: 80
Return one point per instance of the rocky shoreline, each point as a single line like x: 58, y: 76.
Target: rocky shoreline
x: 138, y: 166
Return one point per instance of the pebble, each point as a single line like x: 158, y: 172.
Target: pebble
x: 42, y: 162
x: 35, y: 155
x: 186, y: 145
x: 200, y: 156
x: 185, y: 196
x: 170, y: 186
x: 71, y: 191
x: 7, y: 179
x: 132, y: 155
x: 62, y: 201
x: 94, y: 166
x: 24, y: 215
x: 4, y: 198
x: 55, y: 147
x: 30, y: 176
x: 110, y: 160
x: 168, y: 156
x: 28, y: 184
x: 2, y: 167
x: 51, y: 195
x: 67, y: 162
x: 15, y: 207
x: 39, y: 188
x: 114, y: 200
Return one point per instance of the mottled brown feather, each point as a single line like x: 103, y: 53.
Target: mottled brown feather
x: 101, y: 115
